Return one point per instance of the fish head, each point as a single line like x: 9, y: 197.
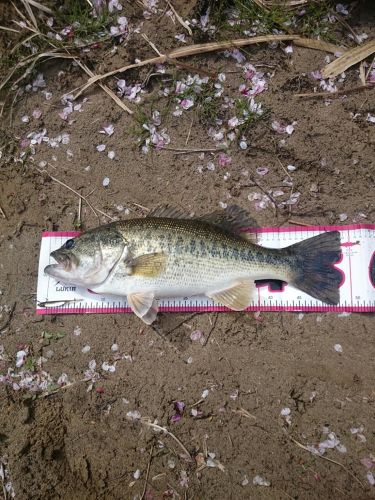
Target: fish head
x: 87, y: 260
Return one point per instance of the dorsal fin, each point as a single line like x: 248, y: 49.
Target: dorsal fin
x: 233, y: 219
x: 168, y: 212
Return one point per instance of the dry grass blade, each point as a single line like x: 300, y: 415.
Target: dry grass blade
x: 84, y: 198
x: 315, y: 44
x: 300, y: 445
x: 106, y: 89
x: 27, y: 39
x: 40, y: 6
x: 147, y: 473
x: 338, y: 93
x: 30, y: 62
x: 147, y: 422
x: 203, y: 48
x: 30, y: 13
x: 9, y: 29
x: 179, y: 18
x: 351, y: 57
x: 286, y: 4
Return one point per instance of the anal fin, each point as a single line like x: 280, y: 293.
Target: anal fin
x: 144, y: 306
x: 238, y: 296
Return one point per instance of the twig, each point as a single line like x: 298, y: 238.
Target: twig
x: 5, y: 28
x: 271, y: 198
x: 213, y: 47
x: 182, y: 322
x: 179, y: 18
x: 151, y: 44
x: 79, y: 221
x: 10, y: 316
x: 370, y: 68
x: 193, y: 69
x: 2, y: 475
x: 40, y: 6
x: 244, y: 413
x: 84, y: 198
x: 328, y: 459
x: 285, y: 170
x: 362, y: 73
x: 166, y: 431
x: 147, y: 473
x: 346, y: 25
x: 296, y: 223
x: 333, y: 95
x: 189, y: 132
x: 187, y: 151
x: 3, y: 213
x: 106, y: 89
x: 30, y: 13
x: 348, y: 59
x: 211, y: 330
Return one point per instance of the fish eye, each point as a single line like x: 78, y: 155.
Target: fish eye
x: 70, y: 244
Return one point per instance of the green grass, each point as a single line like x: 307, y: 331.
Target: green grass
x: 248, y: 117
x: 78, y: 14
x: 250, y: 16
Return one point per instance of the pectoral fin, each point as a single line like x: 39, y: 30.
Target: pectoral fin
x: 237, y: 296
x: 144, y: 306
x: 148, y: 265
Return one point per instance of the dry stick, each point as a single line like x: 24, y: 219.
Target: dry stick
x: 348, y: 59
x: 164, y: 429
x: 272, y: 199
x: 27, y: 39
x: 2, y: 475
x: 151, y: 44
x: 188, y: 67
x: 189, y: 132
x: 333, y: 95
x: 328, y: 459
x: 79, y: 221
x: 9, y: 29
x: 84, y: 198
x: 3, y: 213
x: 346, y: 25
x: 370, y: 68
x: 296, y: 223
x: 179, y: 18
x: 40, y: 6
x: 147, y: 473
x: 9, y: 319
x: 106, y: 89
x: 30, y: 13
x: 187, y: 151
x: 202, y: 48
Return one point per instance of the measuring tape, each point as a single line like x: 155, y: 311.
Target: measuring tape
x: 357, y: 289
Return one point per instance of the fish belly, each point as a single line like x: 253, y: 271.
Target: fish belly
x: 184, y: 276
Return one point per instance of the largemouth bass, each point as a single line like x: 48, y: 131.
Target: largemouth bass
x: 168, y: 254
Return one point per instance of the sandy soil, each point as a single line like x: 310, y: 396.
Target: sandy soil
x: 83, y: 444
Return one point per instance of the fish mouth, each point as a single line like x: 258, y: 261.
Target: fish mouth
x: 64, y: 264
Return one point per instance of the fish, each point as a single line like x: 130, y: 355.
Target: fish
x: 172, y: 254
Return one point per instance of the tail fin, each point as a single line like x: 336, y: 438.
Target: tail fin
x: 314, y: 272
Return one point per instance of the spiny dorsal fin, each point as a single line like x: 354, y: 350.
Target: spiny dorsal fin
x: 237, y: 296
x: 233, y: 219
x: 168, y: 212
x: 148, y: 265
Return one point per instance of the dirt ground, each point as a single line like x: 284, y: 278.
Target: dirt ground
x: 76, y: 443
